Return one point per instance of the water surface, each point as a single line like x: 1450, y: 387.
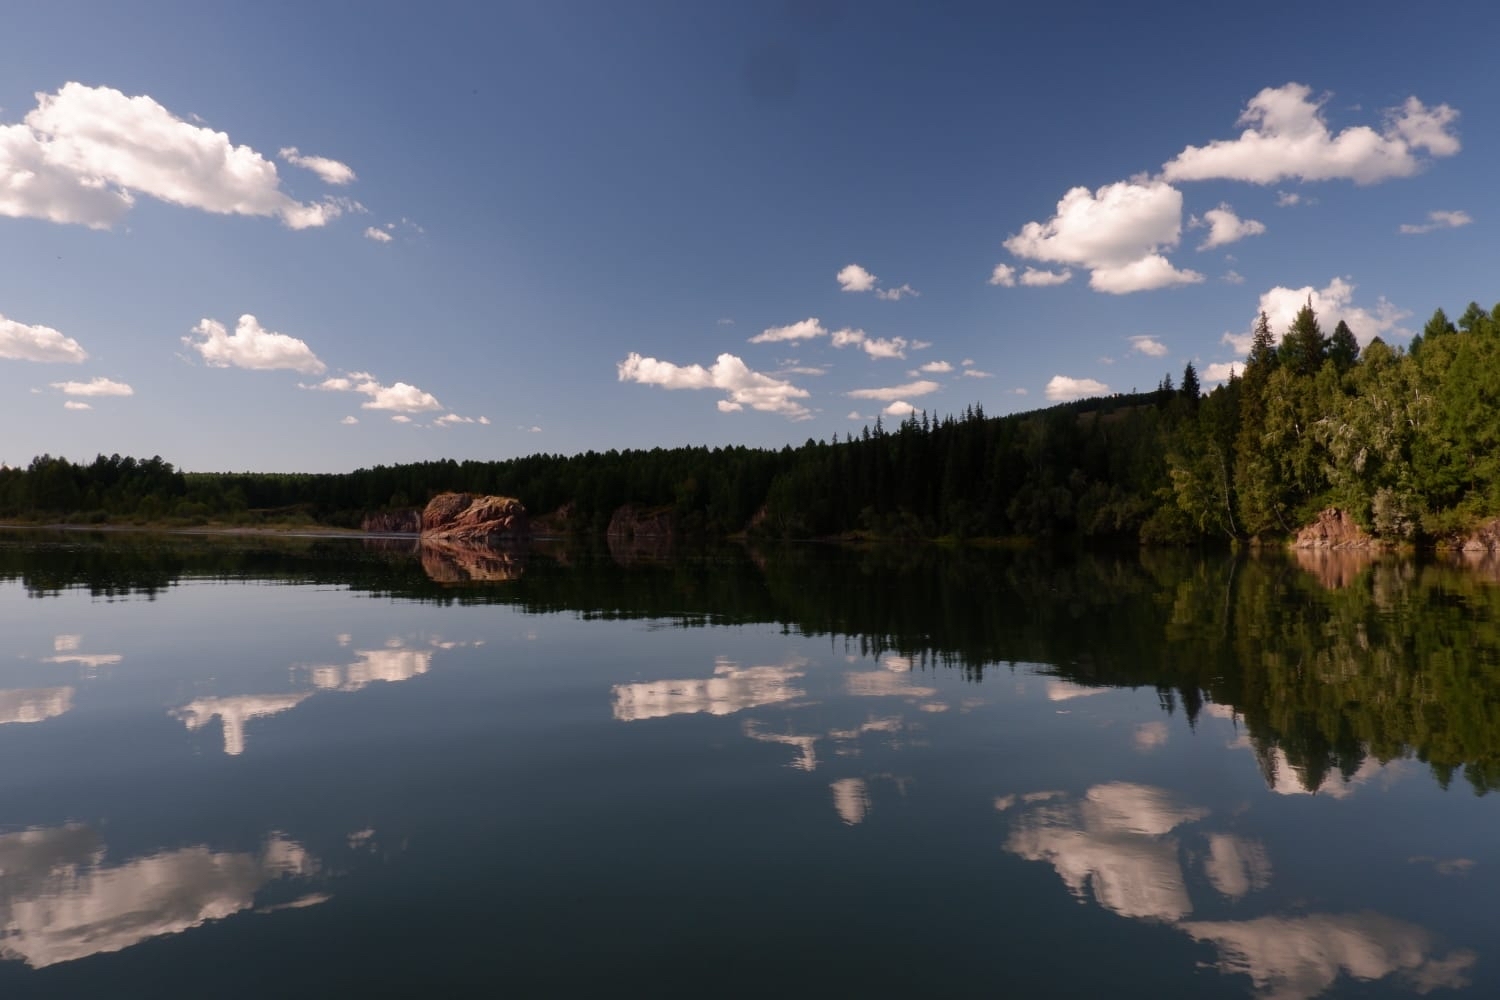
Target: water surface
x: 314, y: 767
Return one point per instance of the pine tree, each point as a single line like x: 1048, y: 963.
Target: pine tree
x: 1343, y: 349
x: 1304, y: 347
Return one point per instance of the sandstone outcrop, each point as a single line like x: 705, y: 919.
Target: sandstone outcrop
x: 448, y: 562
x: 467, y: 517
x: 1334, y: 529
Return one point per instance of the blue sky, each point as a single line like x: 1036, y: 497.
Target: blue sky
x: 490, y: 230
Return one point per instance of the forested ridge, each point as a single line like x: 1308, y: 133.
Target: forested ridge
x: 1404, y: 440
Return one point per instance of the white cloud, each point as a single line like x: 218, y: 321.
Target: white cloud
x: 1221, y: 371
x: 895, y: 392
x: 1330, y: 304
x: 1115, y: 232
x: 900, y: 408
x: 935, y: 368
x: 725, y: 321
x: 1285, y: 136
x: 1286, y: 199
x: 875, y: 347
x: 22, y: 342
x: 897, y: 294
x: 1003, y: 275
x: 1225, y: 227
x: 1020, y: 392
x: 729, y: 374
x: 966, y: 362
x: 73, y: 404
x: 331, y: 171
x: 378, y: 235
x: 1149, y: 346
x: 1061, y: 388
x: 349, y: 421
x: 976, y: 373
x: 803, y: 330
x: 854, y: 415
x: 853, y: 278
x: 399, y: 397
x: 451, y: 420
x: 401, y: 418
x: 253, y: 347
x: 1232, y: 277
x: 83, y: 154
x: 1150, y: 272
x: 1038, y: 278
x: 96, y: 386
x: 1438, y: 220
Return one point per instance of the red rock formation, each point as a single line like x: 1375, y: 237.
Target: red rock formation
x: 402, y: 522
x: 1334, y: 529
x: 465, y: 517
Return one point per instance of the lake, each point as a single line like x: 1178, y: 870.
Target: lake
x: 247, y: 767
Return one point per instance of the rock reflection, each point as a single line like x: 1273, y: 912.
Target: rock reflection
x: 446, y: 561
x: 34, y: 704
x: 59, y: 902
x: 732, y: 688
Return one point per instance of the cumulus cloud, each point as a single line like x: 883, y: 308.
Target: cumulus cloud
x: 398, y: 398
x: 330, y: 171
x: 1225, y: 227
x: 1115, y: 232
x: 454, y: 419
x: 23, y: 342
x: 74, y: 404
x: 83, y: 154
x: 1438, y: 220
x: 1286, y: 136
x: 1038, y: 278
x: 1149, y: 346
x: 729, y: 374
x: 401, y: 418
x: 900, y: 408
x: 349, y: 421
x: 895, y: 392
x: 875, y: 347
x: 96, y: 386
x: 853, y: 278
x: 252, y: 346
x: 803, y: 330
x: 1286, y: 199
x: 935, y: 368
x: 1331, y: 304
x: 1061, y: 388
x: 1222, y: 371
x: 378, y: 235
x: 1003, y: 275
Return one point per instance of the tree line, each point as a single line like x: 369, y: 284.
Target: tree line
x: 1404, y: 440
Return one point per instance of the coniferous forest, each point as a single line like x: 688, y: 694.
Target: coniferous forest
x: 1406, y: 441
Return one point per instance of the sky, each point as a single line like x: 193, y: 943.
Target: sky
x: 318, y: 237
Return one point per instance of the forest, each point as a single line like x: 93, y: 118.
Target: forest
x: 1402, y: 439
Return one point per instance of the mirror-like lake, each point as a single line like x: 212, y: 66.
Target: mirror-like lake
x: 241, y: 767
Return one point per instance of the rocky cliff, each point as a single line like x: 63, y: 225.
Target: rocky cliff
x: 393, y: 522
x: 467, y: 517
x: 1334, y: 529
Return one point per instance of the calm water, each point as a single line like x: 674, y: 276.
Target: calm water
x: 325, y: 768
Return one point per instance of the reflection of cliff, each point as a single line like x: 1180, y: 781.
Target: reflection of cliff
x: 1121, y: 842
x: 447, y: 561
x: 732, y: 688
x: 60, y: 902
x: 34, y: 704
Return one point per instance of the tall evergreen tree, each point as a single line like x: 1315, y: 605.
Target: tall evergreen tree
x: 1343, y: 349
x: 1304, y: 347
x: 1190, y: 387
